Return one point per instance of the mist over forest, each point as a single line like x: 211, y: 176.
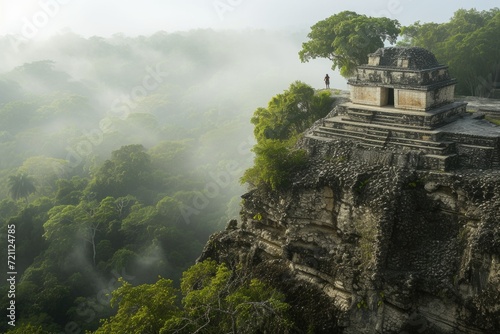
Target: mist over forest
x: 60, y: 94
x: 120, y: 156
x: 78, y: 99
x: 134, y: 148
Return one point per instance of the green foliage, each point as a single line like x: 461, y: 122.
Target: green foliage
x: 21, y: 186
x: 8, y: 208
x: 347, y: 38
x: 16, y: 115
x: 468, y: 44
x: 290, y: 113
x: 360, y: 185
x: 127, y: 172
x: 70, y: 191
x: 146, y: 308
x: 275, y: 163
x: 28, y: 329
x: 258, y: 217
x: 96, y: 214
x: 362, y: 305
x: 493, y: 120
x: 416, y: 183
x: 44, y: 172
x: 277, y: 128
x: 215, y: 300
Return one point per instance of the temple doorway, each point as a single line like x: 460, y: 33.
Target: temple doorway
x: 390, y: 98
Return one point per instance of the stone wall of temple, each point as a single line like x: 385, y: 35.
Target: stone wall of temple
x: 397, y: 76
x: 393, y: 249
x: 373, y: 96
x: 410, y: 99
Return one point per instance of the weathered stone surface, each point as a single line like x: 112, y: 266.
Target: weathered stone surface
x: 404, y: 100
x: 392, y: 248
x: 417, y: 58
x: 376, y: 235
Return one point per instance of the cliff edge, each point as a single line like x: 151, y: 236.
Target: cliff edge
x: 375, y: 248
x: 393, y: 224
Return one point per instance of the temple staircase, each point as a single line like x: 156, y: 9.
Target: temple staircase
x: 385, y: 132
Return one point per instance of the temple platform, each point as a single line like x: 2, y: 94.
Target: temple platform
x: 403, y: 100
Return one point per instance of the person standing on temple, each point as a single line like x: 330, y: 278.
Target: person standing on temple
x: 327, y: 81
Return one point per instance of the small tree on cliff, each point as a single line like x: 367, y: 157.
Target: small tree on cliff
x: 347, y: 38
x: 277, y: 128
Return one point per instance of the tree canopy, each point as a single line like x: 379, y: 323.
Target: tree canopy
x: 468, y: 44
x: 21, y: 186
x: 214, y: 300
x: 276, y: 129
x: 347, y: 38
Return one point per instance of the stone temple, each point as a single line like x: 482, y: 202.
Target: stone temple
x: 403, y: 106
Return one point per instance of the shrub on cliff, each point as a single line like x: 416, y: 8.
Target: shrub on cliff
x: 275, y: 162
x: 277, y: 129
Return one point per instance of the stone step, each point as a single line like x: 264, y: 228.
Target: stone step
x: 383, y: 139
x: 440, y: 156
x: 330, y: 134
x: 421, y: 142
x: 442, y: 162
x: 379, y: 142
x: 313, y: 136
x: 495, y: 161
x: 360, y: 113
x: 427, y: 149
x: 388, y: 117
x: 381, y: 135
x: 381, y: 131
x: 369, y: 130
x: 477, y: 147
x: 388, y: 126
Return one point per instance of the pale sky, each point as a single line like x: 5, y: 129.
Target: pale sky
x: 38, y: 18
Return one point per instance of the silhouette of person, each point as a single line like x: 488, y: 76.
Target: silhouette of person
x: 327, y: 81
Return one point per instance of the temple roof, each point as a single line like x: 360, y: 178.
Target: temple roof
x: 418, y: 58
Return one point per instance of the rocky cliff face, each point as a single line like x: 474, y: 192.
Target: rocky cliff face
x: 375, y: 248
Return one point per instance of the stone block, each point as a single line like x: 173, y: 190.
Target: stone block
x: 374, y: 96
x: 410, y: 99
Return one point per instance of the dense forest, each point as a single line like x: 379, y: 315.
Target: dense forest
x: 469, y: 44
x: 121, y: 155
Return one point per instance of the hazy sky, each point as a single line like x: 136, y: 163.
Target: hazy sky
x: 37, y: 18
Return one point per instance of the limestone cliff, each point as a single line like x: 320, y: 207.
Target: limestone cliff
x: 364, y: 246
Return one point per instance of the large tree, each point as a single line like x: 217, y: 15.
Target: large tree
x: 347, y: 38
